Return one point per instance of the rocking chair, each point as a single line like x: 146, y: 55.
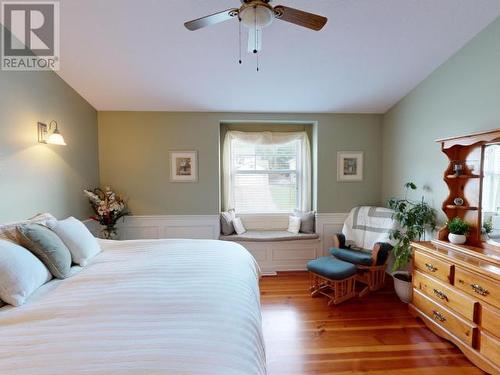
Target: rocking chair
x: 364, y: 242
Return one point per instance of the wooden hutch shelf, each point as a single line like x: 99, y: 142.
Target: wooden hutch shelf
x: 454, y: 207
x: 463, y: 176
x: 465, y: 182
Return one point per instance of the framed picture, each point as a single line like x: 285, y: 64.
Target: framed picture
x: 183, y: 166
x: 350, y: 166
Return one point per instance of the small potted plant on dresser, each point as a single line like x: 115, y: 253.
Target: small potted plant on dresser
x: 414, y: 219
x: 459, y: 230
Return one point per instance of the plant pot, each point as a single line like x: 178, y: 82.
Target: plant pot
x: 457, y: 239
x: 402, y: 285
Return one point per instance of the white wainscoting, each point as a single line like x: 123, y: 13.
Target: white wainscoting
x: 169, y: 226
x: 283, y: 255
x: 327, y: 225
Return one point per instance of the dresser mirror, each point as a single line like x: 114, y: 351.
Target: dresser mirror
x: 490, y: 199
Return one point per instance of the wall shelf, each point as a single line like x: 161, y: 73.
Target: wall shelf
x: 455, y: 207
x: 462, y: 176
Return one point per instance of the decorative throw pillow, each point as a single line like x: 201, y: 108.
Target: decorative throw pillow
x: 21, y: 273
x: 47, y: 247
x: 238, y: 226
x: 82, y: 245
x: 226, y: 222
x: 293, y: 224
x: 307, y: 221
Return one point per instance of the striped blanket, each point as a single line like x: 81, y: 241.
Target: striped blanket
x: 155, y: 307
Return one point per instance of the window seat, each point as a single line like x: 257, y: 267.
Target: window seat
x: 273, y: 247
x: 268, y: 236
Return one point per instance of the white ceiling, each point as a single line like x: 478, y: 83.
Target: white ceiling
x: 137, y: 55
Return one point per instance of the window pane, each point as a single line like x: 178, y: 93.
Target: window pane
x: 265, y: 157
x: 266, y: 192
x: 265, y: 177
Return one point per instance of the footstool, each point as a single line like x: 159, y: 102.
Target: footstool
x: 333, y: 278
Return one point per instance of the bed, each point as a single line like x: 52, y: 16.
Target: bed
x: 142, y: 307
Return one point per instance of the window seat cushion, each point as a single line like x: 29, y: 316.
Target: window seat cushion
x: 269, y: 236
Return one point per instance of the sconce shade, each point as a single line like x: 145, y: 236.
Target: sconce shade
x: 45, y: 135
x: 56, y: 139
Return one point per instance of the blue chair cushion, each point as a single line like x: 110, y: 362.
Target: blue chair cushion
x: 360, y: 257
x: 363, y: 257
x: 331, y: 268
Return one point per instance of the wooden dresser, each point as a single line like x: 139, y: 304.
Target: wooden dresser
x: 456, y: 292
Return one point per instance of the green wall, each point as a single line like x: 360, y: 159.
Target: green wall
x: 44, y: 178
x: 134, y: 146
x: 460, y: 97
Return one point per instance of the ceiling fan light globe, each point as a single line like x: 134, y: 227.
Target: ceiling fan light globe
x: 259, y: 15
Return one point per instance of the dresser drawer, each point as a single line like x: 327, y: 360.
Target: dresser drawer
x: 445, y: 295
x: 458, y: 326
x: 477, y: 286
x: 490, y: 347
x: 433, y: 266
x: 490, y: 319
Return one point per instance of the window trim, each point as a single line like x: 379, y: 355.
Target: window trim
x: 304, y: 167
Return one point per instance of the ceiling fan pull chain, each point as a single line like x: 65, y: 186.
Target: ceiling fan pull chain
x: 239, y: 22
x: 256, y: 51
x: 255, y: 30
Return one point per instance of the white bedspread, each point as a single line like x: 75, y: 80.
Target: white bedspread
x: 142, y: 307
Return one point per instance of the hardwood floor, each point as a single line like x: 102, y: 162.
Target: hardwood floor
x: 374, y: 334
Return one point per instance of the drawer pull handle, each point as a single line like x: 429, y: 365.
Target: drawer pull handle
x: 479, y: 289
x: 438, y: 316
x: 430, y: 267
x: 440, y: 294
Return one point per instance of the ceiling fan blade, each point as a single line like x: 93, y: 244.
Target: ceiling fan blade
x: 299, y: 17
x: 211, y: 19
x: 254, y: 40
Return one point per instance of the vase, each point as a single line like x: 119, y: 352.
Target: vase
x: 403, y: 285
x: 109, y: 233
x: 457, y: 239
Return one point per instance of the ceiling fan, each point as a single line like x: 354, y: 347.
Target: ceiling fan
x: 257, y: 15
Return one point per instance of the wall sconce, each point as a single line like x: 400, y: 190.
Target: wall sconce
x: 50, y: 134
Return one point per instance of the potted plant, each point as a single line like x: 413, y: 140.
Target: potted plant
x: 459, y: 230
x: 414, y: 219
x: 487, y: 229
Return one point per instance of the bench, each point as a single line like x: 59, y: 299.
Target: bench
x: 273, y: 247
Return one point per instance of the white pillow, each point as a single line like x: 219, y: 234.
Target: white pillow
x: 82, y: 245
x: 294, y: 224
x: 238, y: 226
x: 21, y: 273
